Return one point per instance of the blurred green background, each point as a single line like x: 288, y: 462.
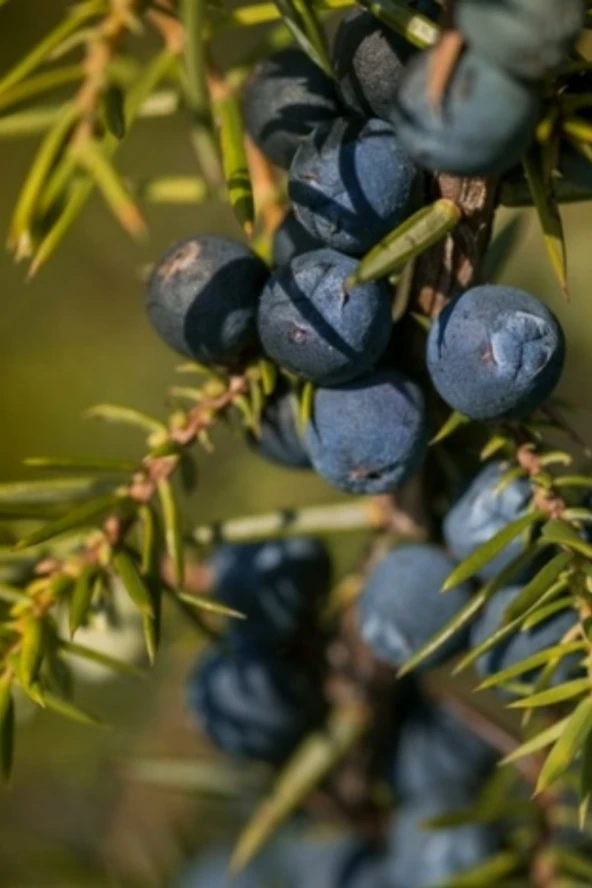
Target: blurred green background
x: 75, y: 336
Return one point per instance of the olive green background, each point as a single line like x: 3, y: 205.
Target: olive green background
x: 75, y: 336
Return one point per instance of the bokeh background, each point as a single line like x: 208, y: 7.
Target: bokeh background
x: 77, y: 335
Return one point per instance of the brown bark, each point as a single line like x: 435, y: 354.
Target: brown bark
x: 440, y: 273
x: 453, y: 264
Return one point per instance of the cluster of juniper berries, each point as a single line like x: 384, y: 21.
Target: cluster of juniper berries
x: 358, y: 150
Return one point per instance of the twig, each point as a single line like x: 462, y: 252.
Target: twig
x: 443, y: 60
x: 498, y: 736
x: 270, y: 205
x: 452, y: 265
x: 170, y: 29
x: 100, y: 50
x: 379, y: 513
x: 543, y: 871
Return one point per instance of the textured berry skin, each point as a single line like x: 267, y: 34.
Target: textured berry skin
x: 401, y: 605
x: 528, y: 38
x: 520, y: 645
x: 483, y: 125
x: 291, y: 240
x: 422, y: 858
x: 278, y: 585
x: 285, y: 99
x: 480, y: 513
x: 351, y: 183
x: 368, y: 436
x: 252, y: 704
x: 495, y: 353
x: 311, y: 326
x: 202, y: 298
x: 368, y: 59
x: 280, y: 440
x: 435, y: 749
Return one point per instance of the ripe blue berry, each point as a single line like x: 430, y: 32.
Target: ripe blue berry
x: 401, y: 606
x: 481, y: 512
x: 280, y: 440
x: 521, y: 644
x: 368, y: 58
x: 285, y: 99
x: 278, y: 585
x: 482, y: 125
x: 435, y: 749
x: 495, y: 353
x: 351, y: 182
x: 527, y: 38
x: 252, y: 704
x: 291, y: 240
x: 368, y: 436
x: 313, y: 327
x: 419, y: 857
x: 202, y: 298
